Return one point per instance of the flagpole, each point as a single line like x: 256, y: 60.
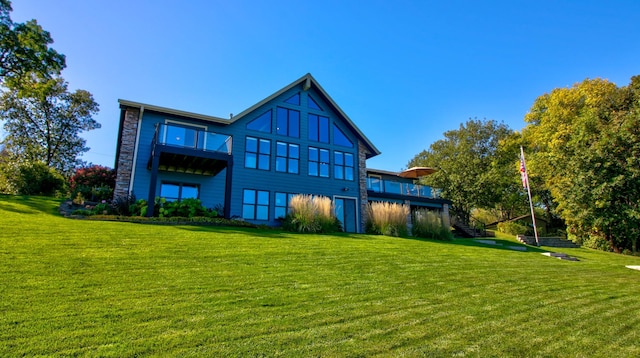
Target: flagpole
x: 523, y: 166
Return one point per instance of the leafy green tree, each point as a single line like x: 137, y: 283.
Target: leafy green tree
x: 24, y: 49
x: 467, y: 166
x: 43, y: 121
x: 585, y: 146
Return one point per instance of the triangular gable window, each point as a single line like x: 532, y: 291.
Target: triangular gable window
x: 295, y: 99
x: 339, y: 138
x: 313, y: 104
x: 262, y: 123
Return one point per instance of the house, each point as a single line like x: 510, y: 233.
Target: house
x: 296, y: 141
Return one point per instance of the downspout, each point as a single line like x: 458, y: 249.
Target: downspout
x: 135, y: 150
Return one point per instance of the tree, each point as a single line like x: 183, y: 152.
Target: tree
x: 43, y: 121
x: 24, y: 49
x: 585, y: 145
x: 467, y: 166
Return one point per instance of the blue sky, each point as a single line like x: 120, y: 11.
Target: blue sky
x: 404, y: 71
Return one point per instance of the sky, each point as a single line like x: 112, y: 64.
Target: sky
x: 404, y: 72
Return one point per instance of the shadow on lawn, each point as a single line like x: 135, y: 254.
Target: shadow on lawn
x: 29, y: 204
x: 505, y: 245
x: 268, y: 233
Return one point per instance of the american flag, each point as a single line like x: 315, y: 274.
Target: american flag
x: 523, y: 172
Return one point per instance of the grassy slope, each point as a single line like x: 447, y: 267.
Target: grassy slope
x: 72, y: 287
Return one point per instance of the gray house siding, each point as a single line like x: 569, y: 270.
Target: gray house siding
x: 211, y: 187
x: 237, y: 178
x: 301, y: 183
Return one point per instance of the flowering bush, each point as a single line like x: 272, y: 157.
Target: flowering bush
x: 94, y: 183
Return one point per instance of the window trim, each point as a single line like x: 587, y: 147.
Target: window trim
x: 288, y: 122
x: 255, y: 205
x: 318, y: 128
x: 287, y: 158
x: 342, y: 168
x: 287, y: 199
x: 270, y: 111
x: 180, y: 185
x: 318, y: 164
x: 257, y: 153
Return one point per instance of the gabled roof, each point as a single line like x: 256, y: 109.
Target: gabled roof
x: 307, y: 82
x: 175, y: 112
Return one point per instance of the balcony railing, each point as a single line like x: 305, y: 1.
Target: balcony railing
x: 192, y: 138
x: 393, y: 187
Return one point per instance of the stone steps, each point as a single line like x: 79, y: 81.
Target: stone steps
x: 547, y: 241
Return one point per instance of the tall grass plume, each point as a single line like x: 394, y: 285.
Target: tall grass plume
x: 311, y: 214
x: 428, y: 224
x: 387, y: 219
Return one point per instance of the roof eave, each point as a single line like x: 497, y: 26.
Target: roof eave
x: 171, y: 111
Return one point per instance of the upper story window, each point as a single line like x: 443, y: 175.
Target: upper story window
x: 295, y: 99
x: 287, y: 158
x: 179, y: 191
x: 255, y: 204
x: 313, y: 104
x: 262, y: 123
x: 343, y: 165
x: 318, y: 162
x: 288, y: 122
x: 339, y: 138
x: 257, y: 153
x: 318, y: 128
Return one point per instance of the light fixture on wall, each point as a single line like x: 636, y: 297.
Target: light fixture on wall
x: 345, y: 189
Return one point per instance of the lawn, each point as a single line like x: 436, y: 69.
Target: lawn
x: 78, y: 287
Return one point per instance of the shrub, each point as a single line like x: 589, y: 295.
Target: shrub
x: 428, y: 224
x: 102, y: 208
x: 186, y: 208
x: 387, y: 219
x: 37, y: 179
x: 311, y: 214
x: 123, y: 205
x: 95, y: 183
x: 512, y: 228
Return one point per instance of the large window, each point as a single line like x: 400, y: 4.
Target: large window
x: 282, y: 201
x: 318, y: 128
x: 255, y: 204
x: 318, y: 162
x: 295, y: 99
x: 262, y: 123
x: 313, y: 104
x: 257, y: 153
x: 179, y: 191
x: 343, y: 165
x: 339, y: 138
x: 288, y: 122
x: 287, y: 158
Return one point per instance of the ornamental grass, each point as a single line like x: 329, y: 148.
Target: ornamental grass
x: 428, y: 224
x: 311, y: 214
x: 387, y: 219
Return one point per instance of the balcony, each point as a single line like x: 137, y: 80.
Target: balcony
x: 189, y: 150
x: 377, y: 185
x: 191, y: 138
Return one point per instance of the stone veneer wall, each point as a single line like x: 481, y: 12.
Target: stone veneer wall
x: 127, y: 149
x: 362, y: 177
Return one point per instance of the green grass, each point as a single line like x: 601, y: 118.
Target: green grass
x: 71, y: 287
